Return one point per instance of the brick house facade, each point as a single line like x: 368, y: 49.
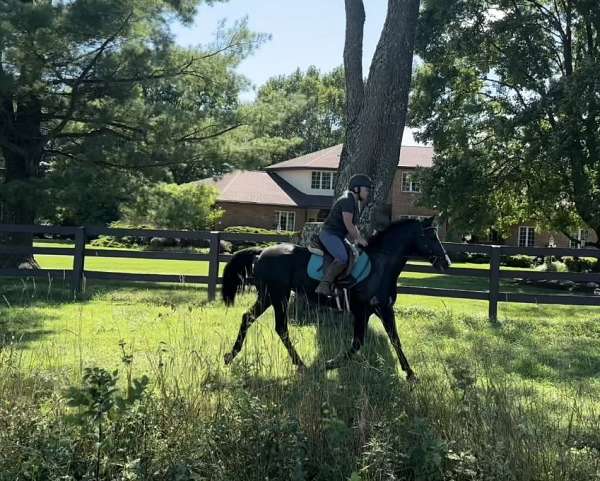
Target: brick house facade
x: 526, y: 235
x: 289, y: 194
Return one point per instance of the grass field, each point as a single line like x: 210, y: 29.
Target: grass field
x: 519, y: 399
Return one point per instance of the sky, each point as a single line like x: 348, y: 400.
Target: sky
x: 303, y: 33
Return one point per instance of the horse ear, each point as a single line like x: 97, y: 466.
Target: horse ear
x: 429, y: 221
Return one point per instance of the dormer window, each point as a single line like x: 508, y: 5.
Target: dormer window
x: 322, y: 180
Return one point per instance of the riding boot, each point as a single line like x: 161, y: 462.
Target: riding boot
x: 333, y: 270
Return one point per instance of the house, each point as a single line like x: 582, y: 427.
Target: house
x: 526, y: 235
x: 287, y: 195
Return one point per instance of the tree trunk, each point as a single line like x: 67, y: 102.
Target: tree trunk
x: 21, y: 142
x: 377, y: 111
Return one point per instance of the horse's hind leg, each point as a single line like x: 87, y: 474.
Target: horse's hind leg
x: 260, y: 306
x: 361, y: 319
x: 280, y: 299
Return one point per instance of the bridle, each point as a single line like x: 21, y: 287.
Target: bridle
x: 433, y: 258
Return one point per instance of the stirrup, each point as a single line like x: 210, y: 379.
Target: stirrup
x: 328, y: 294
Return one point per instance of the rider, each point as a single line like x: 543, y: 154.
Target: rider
x: 341, y: 222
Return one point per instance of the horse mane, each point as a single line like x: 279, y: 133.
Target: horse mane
x: 376, y: 239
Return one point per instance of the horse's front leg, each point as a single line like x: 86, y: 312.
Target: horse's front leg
x: 360, y: 320
x: 389, y: 323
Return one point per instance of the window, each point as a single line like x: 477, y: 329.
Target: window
x: 409, y: 184
x: 322, y: 180
x: 526, y: 236
x: 315, y: 180
x: 580, y: 238
x: 285, y: 220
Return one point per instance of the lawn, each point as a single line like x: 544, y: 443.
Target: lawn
x: 518, y: 399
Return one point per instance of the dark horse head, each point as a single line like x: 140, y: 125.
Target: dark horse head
x: 278, y: 270
x: 411, y: 238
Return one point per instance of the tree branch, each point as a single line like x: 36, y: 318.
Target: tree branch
x: 92, y: 133
x: 112, y: 123
x: 568, y: 43
x: 514, y: 88
x: 549, y: 15
x: 192, y: 138
x: 353, y: 51
x: 81, y: 77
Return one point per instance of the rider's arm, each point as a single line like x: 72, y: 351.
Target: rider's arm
x: 353, y: 232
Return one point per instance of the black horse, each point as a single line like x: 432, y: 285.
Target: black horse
x: 277, y: 270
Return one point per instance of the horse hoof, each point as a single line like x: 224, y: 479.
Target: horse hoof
x: 332, y: 364
x: 228, y: 358
x: 301, y: 368
x: 412, y: 378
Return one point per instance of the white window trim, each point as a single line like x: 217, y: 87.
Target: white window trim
x: 529, y: 236
x: 413, y: 186
x: 582, y: 237
x: 315, y: 174
x: 319, y: 176
x: 288, y: 214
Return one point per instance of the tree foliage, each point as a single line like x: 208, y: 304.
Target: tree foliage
x: 101, y: 84
x: 172, y: 206
x: 292, y: 115
x: 509, y: 93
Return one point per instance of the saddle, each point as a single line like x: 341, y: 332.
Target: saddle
x: 358, y: 269
x: 345, y: 279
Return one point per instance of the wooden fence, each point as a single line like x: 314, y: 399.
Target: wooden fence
x: 493, y: 275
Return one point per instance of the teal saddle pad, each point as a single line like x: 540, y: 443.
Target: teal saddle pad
x: 360, y: 271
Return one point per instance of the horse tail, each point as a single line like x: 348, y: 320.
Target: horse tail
x: 237, y: 272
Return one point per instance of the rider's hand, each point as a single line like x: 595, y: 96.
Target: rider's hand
x: 361, y: 242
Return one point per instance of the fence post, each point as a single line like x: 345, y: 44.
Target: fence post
x: 494, y: 282
x: 78, y: 261
x: 213, y: 264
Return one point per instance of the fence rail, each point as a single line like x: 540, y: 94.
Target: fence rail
x: 494, y: 274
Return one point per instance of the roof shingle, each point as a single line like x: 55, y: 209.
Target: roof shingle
x: 266, y: 188
x: 410, y: 156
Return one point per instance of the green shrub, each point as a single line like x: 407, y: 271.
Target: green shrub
x: 172, y: 206
x: 257, y: 230
x: 242, y: 244
x: 114, y: 242
x: 579, y: 264
x: 518, y: 261
x: 551, y: 265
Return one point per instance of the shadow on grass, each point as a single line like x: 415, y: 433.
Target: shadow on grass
x: 20, y: 326
x: 42, y: 292
x: 368, y: 381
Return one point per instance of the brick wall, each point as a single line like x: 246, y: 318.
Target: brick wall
x: 256, y: 215
x: 542, y: 238
x: 403, y: 203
